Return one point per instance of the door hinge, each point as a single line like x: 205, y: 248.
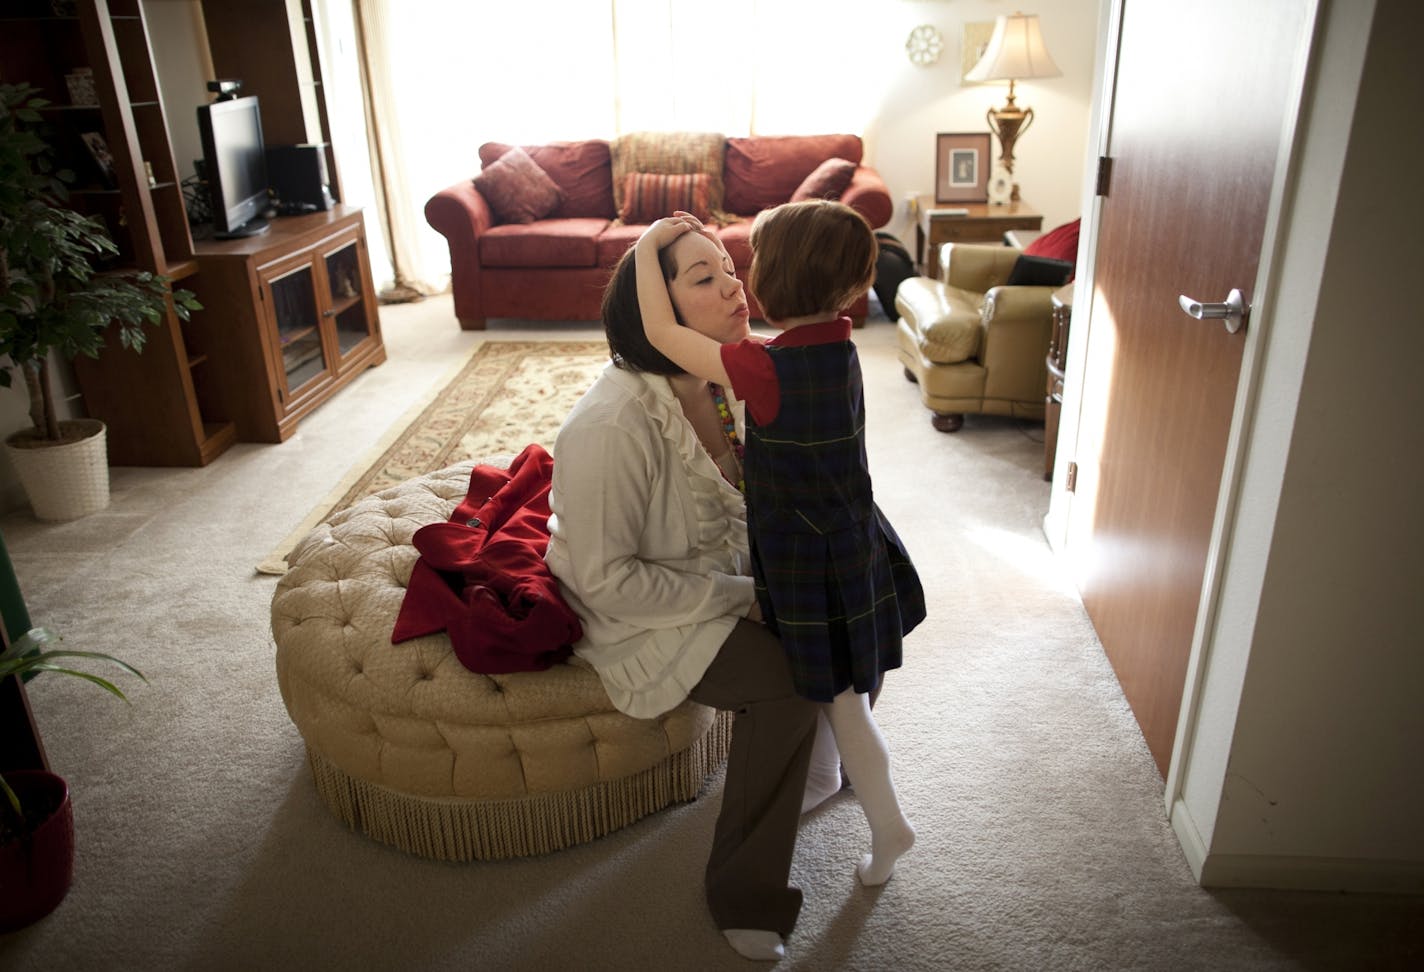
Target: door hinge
x: 1072, y: 484
x: 1104, y: 174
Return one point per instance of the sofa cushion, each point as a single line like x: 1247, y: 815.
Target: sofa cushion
x: 581, y: 170
x: 546, y: 243
x: 672, y: 153
x: 517, y: 190
x: 827, y: 181
x: 649, y: 196
x: 736, y: 237
x: 615, y: 239
x: 764, y: 170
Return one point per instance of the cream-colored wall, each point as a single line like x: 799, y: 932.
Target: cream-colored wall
x: 919, y: 102
x: 176, y: 31
x: 1302, y: 767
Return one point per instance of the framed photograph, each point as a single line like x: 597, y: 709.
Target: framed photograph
x: 103, y: 161
x: 962, y: 167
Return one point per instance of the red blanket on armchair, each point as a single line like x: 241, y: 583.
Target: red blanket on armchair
x: 481, y: 576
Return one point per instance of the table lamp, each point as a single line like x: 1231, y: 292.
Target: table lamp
x: 1016, y: 50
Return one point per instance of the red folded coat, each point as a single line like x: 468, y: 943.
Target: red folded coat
x: 481, y: 576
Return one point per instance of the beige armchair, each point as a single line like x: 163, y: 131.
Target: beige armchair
x: 971, y: 343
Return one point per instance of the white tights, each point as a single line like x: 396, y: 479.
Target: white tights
x: 867, y: 763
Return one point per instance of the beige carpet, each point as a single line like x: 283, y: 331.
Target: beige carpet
x: 507, y: 395
x: 203, y: 845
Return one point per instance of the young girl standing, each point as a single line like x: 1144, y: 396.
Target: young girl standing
x: 833, y: 579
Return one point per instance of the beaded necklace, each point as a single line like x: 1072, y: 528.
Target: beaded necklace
x: 729, y: 429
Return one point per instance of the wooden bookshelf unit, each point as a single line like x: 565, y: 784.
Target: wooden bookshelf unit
x: 288, y: 317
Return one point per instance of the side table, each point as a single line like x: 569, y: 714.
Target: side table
x: 1056, y: 362
x: 939, y: 223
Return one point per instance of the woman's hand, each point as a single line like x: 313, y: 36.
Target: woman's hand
x: 754, y: 612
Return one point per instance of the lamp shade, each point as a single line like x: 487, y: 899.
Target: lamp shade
x: 1016, y: 51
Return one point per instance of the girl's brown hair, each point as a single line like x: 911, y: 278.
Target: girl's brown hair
x: 810, y: 257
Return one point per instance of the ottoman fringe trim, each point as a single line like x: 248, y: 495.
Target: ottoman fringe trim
x: 452, y: 829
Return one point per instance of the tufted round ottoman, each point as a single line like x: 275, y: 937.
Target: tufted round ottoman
x: 415, y: 750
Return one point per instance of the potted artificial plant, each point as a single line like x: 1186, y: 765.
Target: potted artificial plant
x: 36, y: 820
x: 53, y: 299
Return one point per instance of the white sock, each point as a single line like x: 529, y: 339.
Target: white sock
x: 823, y: 778
x: 867, y: 760
x: 756, y: 943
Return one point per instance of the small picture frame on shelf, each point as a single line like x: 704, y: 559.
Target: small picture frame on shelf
x: 962, y: 167
x: 103, y: 161
x: 80, y: 83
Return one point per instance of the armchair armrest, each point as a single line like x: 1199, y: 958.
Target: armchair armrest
x: 459, y: 213
x: 1013, y: 303
x: 976, y: 266
x: 1017, y: 326
x: 868, y: 195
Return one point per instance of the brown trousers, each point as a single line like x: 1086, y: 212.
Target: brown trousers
x: 772, y: 734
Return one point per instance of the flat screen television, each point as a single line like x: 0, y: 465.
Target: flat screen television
x: 235, y: 162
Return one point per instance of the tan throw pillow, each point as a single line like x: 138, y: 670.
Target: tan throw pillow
x: 652, y: 195
x: 827, y: 181
x: 669, y: 153
x: 517, y: 189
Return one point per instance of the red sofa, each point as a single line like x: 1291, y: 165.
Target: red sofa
x: 555, y: 268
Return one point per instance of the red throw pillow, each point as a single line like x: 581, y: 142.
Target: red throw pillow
x: 827, y: 181
x: 1057, y: 244
x: 582, y: 171
x: 517, y: 189
x: 648, y: 196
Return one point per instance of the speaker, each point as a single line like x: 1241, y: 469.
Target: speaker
x: 297, y: 174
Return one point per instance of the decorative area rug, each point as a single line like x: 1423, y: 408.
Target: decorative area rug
x: 509, y: 394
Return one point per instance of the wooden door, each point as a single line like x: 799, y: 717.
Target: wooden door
x: 1200, y: 99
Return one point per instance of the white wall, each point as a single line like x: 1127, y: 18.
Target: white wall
x: 919, y: 102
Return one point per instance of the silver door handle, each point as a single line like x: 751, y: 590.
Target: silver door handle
x: 1232, y: 312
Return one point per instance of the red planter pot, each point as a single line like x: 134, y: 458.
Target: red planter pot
x: 36, y: 868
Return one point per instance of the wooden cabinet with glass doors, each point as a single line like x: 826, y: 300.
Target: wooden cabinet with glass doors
x: 292, y: 314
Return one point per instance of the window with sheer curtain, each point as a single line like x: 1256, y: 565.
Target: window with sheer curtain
x: 448, y: 75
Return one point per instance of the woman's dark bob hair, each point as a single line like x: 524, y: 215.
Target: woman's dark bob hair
x: 628, y: 343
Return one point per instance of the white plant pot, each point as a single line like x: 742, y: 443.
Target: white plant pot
x: 65, y: 482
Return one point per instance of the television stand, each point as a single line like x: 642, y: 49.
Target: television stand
x: 253, y: 227
x: 289, y: 317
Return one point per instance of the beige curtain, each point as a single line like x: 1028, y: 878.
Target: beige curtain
x: 397, y: 208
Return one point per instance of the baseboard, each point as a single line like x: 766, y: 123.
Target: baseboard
x: 1292, y: 873
x: 1189, y: 836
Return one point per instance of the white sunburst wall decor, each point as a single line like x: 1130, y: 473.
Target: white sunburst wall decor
x: 924, y: 45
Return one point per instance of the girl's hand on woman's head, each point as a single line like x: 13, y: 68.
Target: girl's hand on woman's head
x: 665, y: 230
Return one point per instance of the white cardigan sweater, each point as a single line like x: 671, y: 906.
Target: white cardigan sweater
x: 647, y: 540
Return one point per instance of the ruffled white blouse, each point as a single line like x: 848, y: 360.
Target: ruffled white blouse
x: 647, y: 539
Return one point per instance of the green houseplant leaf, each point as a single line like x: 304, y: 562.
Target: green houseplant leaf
x: 52, y: 299
x: 32, y: 654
